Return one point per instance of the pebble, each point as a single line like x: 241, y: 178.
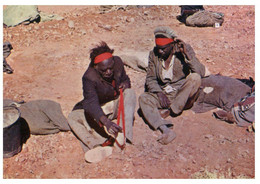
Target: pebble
x: 106, y: 27
x: 229, y: 160
x: 208, y: 136
x: 132, y: 19
x: 71, y: 24
x: 16, y: 159
x: 217, y: 167
x: 83, y: 31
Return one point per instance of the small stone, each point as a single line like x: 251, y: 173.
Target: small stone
x: 229, y: 160
x: 106, y: 27
x: 217, y: 167
x: 16, y: 159
x: 83, y: 32
x: 71, y: 24
x: 208, y: 136
x: 132, y: 19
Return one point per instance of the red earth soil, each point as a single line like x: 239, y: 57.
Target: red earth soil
x: 50, y: 58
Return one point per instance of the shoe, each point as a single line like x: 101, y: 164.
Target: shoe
x: 120, y: 141
x: 167, y: 137
x: 224, y: 116
x: 98, y: 153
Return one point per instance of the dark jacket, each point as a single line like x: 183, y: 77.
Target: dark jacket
x: 97, y: 91
x: 181, y: 69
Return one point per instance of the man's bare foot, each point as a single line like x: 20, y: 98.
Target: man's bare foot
x: 167, y: 135
x: 166, y: 138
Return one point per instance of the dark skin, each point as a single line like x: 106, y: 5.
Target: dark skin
x: 166, y: 52
x: 106, y: 71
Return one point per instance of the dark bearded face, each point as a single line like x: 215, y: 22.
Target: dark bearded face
x: 164, y: 51
x: 105, y: 69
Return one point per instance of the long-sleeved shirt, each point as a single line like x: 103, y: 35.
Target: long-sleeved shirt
x: 97, y: 91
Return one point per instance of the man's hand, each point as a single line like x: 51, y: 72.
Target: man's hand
x: 111, y: 128
x: 124, y: 85
x: 163, y: 99
x: 181, y: 47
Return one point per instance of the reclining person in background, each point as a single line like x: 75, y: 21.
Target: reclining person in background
x: 197, y: 16
x: 172, y: 81
x: 235, y: 98
x: 188, y: 10
x: 91, y: 118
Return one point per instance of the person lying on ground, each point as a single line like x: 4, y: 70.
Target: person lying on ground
x: 234, y: 97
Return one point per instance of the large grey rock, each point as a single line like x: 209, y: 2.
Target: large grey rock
x: 16, y: 14
x: 136, y: 60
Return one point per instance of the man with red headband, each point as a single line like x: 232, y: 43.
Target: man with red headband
x: 172, y: 81
x: 91, y: 118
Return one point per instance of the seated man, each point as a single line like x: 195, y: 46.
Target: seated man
x: 91, y: 118
x: 172, y: 81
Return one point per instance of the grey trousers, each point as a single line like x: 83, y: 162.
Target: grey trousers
x: 90, y: 136
x: 149, y: 102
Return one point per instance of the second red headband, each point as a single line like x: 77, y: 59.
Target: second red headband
x: 163, y: 41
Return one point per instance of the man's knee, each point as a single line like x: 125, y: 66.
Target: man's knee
x: 147, y: 99
x: 195, y: 79
x: 142, y: 98
x: 76, y: 116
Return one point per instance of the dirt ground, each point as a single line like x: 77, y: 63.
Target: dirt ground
x: 50, y: 58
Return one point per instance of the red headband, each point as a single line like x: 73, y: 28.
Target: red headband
x: 102, y: 57
x: 163, y: 41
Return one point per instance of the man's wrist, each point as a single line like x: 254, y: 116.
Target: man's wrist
x: 103, y: 119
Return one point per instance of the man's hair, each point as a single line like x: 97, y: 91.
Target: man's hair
x: 99, y: 49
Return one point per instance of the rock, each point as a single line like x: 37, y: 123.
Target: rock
x: 106, y: 27
x: 182, y: 157
x: 71, y: 24
x: 208, y: 136
x: 14, y: 15
x: 132, y: 19
x: 217, y: 167
x: 229, y: 160
x: 83, y: 31
x: 136, y: 60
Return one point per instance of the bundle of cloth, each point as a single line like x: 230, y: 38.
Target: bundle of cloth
x: 42, y: 116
